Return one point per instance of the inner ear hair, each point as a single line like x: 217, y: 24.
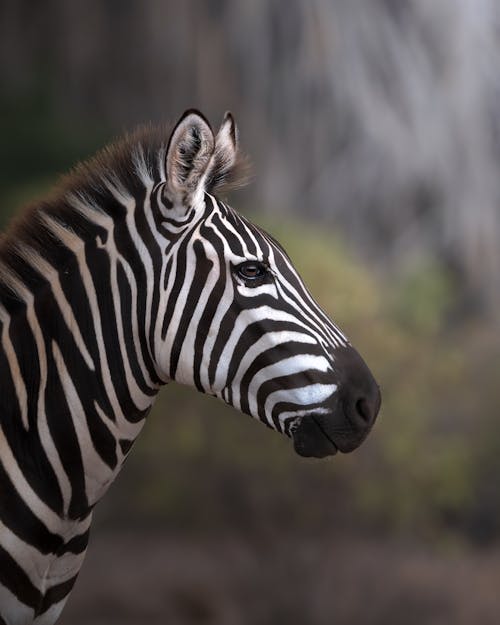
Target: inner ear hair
x: 185, y: 155
x: 189, y: 155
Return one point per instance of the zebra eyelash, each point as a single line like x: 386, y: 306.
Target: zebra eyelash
x: 252, y: 272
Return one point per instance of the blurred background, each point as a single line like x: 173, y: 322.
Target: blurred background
x: 374, y: 128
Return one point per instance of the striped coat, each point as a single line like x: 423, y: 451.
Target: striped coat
x: 131, y: 275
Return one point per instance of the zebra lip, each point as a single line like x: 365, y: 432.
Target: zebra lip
x: 310, y: 439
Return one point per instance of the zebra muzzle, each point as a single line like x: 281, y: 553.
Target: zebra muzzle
x: 350, y: 415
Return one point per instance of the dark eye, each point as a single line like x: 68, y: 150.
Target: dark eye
x: 251, y: 270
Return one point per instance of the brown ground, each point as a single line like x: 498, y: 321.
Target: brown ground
x: 134, y: 578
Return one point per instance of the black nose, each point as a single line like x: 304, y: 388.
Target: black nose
x: 359, y: 392
x: 353, y: 410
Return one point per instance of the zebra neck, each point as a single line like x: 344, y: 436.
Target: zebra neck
x: 74, y: 380
x: 79, y: 305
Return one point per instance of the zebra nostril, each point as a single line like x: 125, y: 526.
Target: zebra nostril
x: 367, y: 408
x: 364, y: 410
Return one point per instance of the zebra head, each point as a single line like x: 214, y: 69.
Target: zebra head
x: 238, y: 323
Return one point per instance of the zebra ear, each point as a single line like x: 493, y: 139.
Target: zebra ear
x: 189, y: 155
x: 227, y: 169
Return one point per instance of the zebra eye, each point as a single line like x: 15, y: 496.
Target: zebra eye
x: 251, y: 270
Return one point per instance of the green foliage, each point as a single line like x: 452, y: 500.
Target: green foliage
x: 423, y: 297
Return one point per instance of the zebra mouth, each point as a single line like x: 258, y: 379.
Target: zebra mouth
x: 311, y: 439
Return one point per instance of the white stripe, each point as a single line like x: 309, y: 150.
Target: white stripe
x: 286, y: 416
x: 43, y: 513
x: 15, y: 371
x: 265, y: 342
x: 13, y: 611
x: 305, y: 396
x: 97, y: 474
x: 51, y: 274
x: 252, y: 315
x: 46, y: 439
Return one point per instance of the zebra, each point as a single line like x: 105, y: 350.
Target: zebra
x: 134, y: 274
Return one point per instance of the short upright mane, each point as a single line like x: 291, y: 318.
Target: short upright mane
x: 136, y: 152
x: 128, y: 165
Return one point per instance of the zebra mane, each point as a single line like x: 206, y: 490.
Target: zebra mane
x: 127, y: 165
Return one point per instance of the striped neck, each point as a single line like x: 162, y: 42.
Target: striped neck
x: 76, y: 326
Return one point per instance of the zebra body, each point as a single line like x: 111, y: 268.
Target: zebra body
x: 133, y: 275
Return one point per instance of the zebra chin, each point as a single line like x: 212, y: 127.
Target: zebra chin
x: 320, y: 435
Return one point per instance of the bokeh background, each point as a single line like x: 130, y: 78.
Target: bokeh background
x: 374, y: 128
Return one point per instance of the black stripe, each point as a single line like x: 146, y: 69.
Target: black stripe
x: 28, y: 449
x: 76, y: 545
x: 127, y: 247
x: 202, y: 271
x: 288, y: 382
x: 15, y: 579
x: 238, y: 221
x: 76, y: 295
x: 128, y: 322
x: 180, y: 276
x: 233, y: 241
x: 99, y: 266
x: 272, y: 356
x: 55, y: 594
x: 26, y: 351
x: 125, y: 445
x: 254, y: 331
x: 62, y: 430
x: 19, y: 518
x: 210, y: 308
x: 155, y: 254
